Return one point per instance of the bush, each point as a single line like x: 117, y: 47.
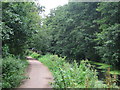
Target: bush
x: 68, y: 75
x: 12, y: 72
x: 35, y: 55
x: 28, y: 52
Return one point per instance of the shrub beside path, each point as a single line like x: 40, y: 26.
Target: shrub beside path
x: 39, y: 75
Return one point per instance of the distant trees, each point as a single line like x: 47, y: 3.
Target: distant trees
x: 73, y: 30
x: 85, y: 31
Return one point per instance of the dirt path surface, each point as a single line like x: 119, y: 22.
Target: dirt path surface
x: 39, y: 75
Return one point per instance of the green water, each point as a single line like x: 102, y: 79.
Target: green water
x: 102, y: 68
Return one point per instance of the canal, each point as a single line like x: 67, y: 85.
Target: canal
x: 104, y: 69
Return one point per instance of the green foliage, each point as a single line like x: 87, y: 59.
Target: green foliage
x: 12, y: 72
x: 85, y: 30
x: 40, y: 41
x: 109, y: 36
x: 68, y: 75
x: 5, y: 50
x: 35, y: 55
x: 20, y: 21
x: 72, y: 30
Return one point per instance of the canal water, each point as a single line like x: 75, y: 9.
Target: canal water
x: 103, y: 68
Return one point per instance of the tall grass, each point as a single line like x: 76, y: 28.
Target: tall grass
x: 68, y: 75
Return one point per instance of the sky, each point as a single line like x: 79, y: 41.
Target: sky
x: 50, y: 4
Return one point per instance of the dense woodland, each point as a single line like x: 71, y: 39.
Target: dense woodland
x: 77, y: 31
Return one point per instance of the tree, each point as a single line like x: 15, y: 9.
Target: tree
x: 20, y: 20
x: 109, y: 36
x: 73, y: 30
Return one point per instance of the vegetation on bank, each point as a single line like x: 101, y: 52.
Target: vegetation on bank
x: 73, y: 75
x: 77, y: 31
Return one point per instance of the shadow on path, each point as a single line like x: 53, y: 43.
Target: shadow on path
x: 39, y: 75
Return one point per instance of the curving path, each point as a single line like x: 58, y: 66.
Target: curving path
x: 39, y: 75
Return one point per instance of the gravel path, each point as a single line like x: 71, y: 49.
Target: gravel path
x: 39, y: 75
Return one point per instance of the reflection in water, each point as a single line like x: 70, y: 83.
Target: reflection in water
x: 102, y: 72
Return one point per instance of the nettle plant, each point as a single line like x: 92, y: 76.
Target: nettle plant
x: 73, y: 75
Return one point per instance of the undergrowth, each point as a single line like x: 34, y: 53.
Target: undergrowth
x: 33, y: 54
x: 68, y: 75
x: 72, y: 75
x: 12, y: 71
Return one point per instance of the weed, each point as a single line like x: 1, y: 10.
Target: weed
x: 68, y: 75
x: 110, y: 80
